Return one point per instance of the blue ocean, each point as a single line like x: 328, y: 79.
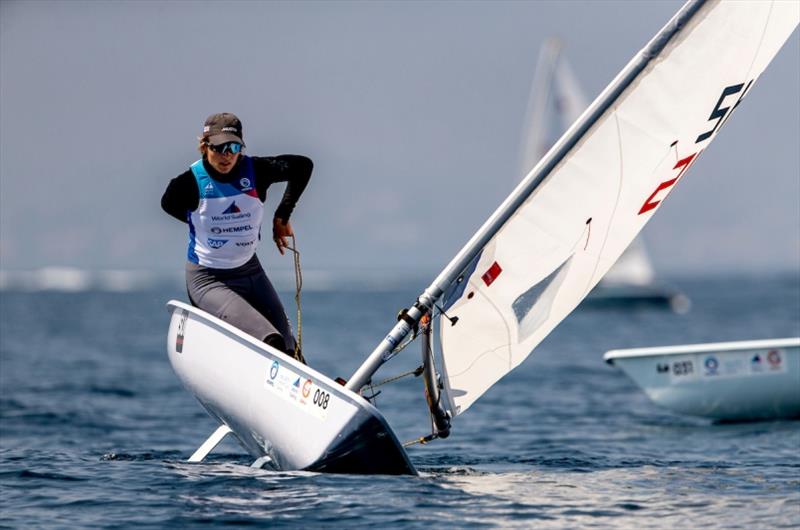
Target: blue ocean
x: 95, y: 427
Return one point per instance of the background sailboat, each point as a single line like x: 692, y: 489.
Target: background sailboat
x: 556, y: 102
x: 731, y: 381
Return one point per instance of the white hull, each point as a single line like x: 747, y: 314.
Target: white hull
x: 654, y: 295
x: 732, y: 381
x: 275, y: 406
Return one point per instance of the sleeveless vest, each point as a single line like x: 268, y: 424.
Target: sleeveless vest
x: 225, y: 228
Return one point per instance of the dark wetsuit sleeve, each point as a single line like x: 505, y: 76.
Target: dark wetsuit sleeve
x: 181, y: 196
x: 295, y: 170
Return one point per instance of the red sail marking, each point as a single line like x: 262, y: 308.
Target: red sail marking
x: 651, y: 203
x: 491, y: 275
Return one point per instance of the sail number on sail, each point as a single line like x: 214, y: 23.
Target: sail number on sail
x: 720, y: 114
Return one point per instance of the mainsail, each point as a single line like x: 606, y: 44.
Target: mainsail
x: 600, y: 192
x: 569, y: 220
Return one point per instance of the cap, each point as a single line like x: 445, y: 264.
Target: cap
x: 223, y: 127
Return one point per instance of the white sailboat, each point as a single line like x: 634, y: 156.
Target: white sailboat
x: 728, y: 381
x: 555, y: 103
x: 533, y: 261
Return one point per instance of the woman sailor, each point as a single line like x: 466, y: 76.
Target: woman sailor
x: 221, y: 197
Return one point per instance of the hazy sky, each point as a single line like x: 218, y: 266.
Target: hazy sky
x: 412, y: 112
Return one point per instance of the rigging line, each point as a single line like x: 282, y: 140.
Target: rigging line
x: 403, y: 346
x: 415, y: 372
x: 298, y: 281
x: 372, y: 398
x: 427, y: 330
x: 422, y: 440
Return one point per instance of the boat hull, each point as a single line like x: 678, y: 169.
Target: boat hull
x: 275, y: 406
x: 609, y: 295
x: 734, y: 381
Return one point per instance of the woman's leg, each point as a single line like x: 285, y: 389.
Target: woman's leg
x: 265, y: 299
x: 222, y: 299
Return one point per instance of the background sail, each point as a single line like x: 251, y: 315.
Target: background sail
x: 555, y: 103
x: 567, y: 234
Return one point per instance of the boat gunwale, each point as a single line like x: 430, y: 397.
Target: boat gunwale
x: 711, y: 347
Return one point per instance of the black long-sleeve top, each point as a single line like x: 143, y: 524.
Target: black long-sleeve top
x: 182, y: 195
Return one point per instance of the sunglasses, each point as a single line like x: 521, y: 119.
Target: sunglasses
x: 228, y: 147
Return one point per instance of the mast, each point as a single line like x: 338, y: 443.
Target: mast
x: 426, y: 301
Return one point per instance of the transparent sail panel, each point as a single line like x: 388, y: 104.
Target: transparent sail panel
x: 532, y: 308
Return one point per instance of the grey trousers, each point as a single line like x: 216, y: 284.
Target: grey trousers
x: 243, y: 297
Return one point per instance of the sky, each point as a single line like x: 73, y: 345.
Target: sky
x: 412, y: 112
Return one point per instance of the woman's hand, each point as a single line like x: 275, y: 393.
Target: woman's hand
x: 281, y: 230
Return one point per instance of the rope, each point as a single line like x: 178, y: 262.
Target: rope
x: 422, y: 440
x: 298, y: 281
x: 415, y: 372
x: 402, y: 346
x: 426, y: 324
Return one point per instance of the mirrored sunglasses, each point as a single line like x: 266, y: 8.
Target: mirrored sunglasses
x: 228, y: 147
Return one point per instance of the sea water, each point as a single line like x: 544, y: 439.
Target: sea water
x: 95, y: 428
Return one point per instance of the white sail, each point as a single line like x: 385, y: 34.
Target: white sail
x: 567, y: 223
x: 555, y: 103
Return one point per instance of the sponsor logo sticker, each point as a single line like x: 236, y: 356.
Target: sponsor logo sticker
x: 774, y: 359
x: 711, y: 364
x: 273, y: 370
x: 756, y: 363
x: 232, y: 208
x: 181, y: 330
x: 230, y: 229
x: 297, y: 389
x: 740, y: 364
x: 216, y: 243
x: 230, y: 217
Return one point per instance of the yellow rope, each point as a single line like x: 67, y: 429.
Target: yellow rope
x: 298, y: 281
x: 422, y: 440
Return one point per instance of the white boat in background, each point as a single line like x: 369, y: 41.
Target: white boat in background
x: 555, y: 103
x: 727, y: 381
x: 522, y: 273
